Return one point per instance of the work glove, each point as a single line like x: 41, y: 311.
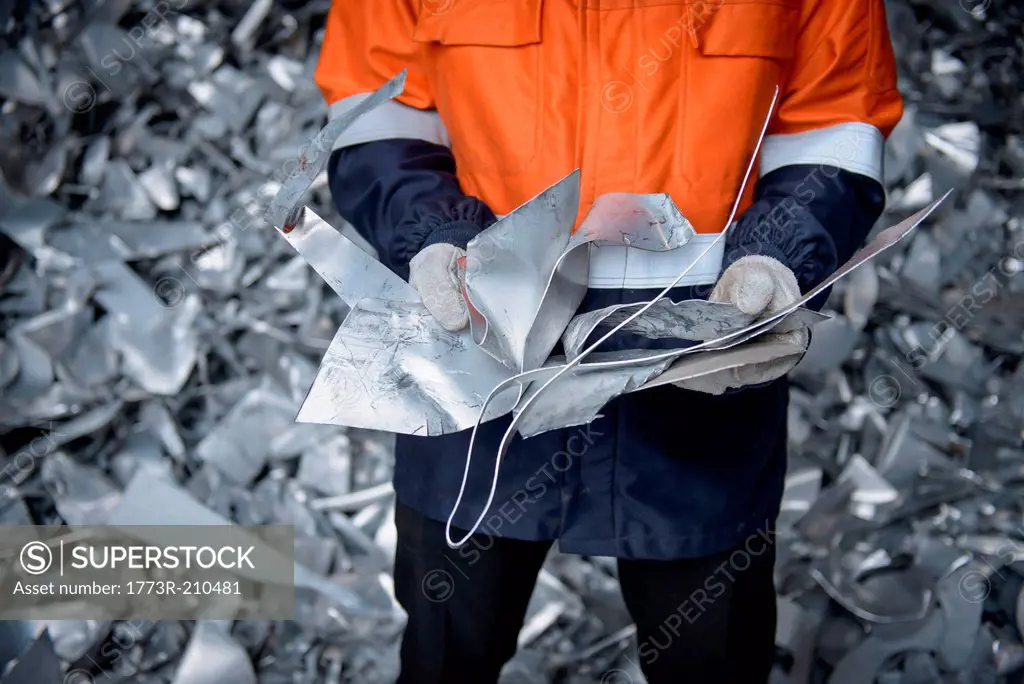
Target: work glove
x: 434, y: 274
x: 759, y: 286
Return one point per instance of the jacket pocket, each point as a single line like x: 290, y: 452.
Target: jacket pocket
x: 744, y: 48
x: 749, y: 28
x: 489, y: 23
x: 484, y: 64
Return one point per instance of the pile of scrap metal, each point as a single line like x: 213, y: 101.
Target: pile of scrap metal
x: 159, y: 339
x: 902, y: 527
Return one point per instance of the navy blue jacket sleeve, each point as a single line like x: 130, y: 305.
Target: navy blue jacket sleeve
x: 812, y: 218
x: 402, y: 195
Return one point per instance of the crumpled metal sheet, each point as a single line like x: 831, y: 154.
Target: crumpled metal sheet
x: 214, y: 657
x: 593, y: 384
x: 534, y: 253
x: 392, y: 367
x: 152, y: 327
x: 398, y: 370
x: 693, y: 320
x: 611, y: 374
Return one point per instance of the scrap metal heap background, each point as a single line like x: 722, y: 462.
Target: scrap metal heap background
x: 156, y: 331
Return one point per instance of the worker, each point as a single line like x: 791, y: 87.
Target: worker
x: 681, y: 484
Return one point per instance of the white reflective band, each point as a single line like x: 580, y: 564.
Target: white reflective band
x: 389, y: 120
x: 619, y: 267
x: 855, y: 147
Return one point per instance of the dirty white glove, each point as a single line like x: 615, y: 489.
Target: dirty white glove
x: 761, y: 286
x: 434, y: 274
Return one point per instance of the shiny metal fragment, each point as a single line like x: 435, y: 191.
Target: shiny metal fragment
x: 879, y: 594
x: 353, y: 274
x: 38, y: 665
x: 159, y: 358
x: 82, y: 495
x: 955, y: 619
x: 382, y: 352
x: 693, y: 320
x: 525, y: 276
x: 392, y: 367
x: 284, y: 211
x: 240, y: 445
x: 214, y: 657
x: 355, y: 500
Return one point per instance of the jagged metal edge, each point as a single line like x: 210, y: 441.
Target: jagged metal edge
x: 285, y: 210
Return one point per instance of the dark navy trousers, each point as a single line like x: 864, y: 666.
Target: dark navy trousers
x: 708, y: 620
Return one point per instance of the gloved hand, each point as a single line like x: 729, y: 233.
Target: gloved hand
x: 434, y: 274
x: 761, y: 286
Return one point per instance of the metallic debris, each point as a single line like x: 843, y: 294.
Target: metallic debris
x: 38, y: 665
x: 396, y: 369
x: 159, y: 338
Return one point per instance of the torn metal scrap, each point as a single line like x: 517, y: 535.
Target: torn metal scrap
x: 38, y: 665
x: 213, y: 656
x: 392, y: 367
x: 131, y: 351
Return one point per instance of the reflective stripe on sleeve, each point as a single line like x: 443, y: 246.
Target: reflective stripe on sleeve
x: 855, y: 147
x: 389, y: 120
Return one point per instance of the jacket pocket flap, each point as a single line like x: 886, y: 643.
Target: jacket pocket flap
x: 751, y: 29
x: 498, y: 23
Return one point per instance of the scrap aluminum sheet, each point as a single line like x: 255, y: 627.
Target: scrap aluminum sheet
x: 611, y: 374
x: 693, y: 320
x: 534, y: 253
x: 390, y: 367
x: 285, y: 211
x: 353, y: 274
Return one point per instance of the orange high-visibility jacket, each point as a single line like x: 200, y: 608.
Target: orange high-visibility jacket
x: 643, y: 95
